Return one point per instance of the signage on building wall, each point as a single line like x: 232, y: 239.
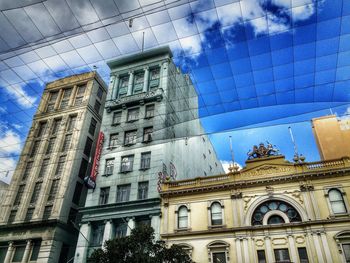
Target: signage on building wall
x: 90, y: 181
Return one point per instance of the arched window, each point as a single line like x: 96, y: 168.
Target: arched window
x: 218, y: 252
x: 337, y: 202
x: 216, y: 214
x: 275, y: 219
x: 343, y: 242
x: 182, y: 217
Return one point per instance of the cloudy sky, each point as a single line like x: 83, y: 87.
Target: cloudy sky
x: 259, y: 66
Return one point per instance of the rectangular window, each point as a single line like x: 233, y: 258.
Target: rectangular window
x: 261, y: 256
x: 79, y: 96
x: 44, y: 168
x: 60, y: 166
x: 66, y: 142
x: 88, y: 146
x: 282, y: 255
x: 127, y: 163
x: 99, y: 93
x: 154, y: 78
x: 12, y: 216
x: 109, y: 166
x: 138, y: 82
x: 50, y: 145
x: 65, y: 98
x: 71, y: 123
x: 36, y: 193
x: 130, y: 137
x: 133, y: 114
x: 303, y: 255
x: 27, y: 171
x: 41, y: 129
x: 92, y: 127
x: 97, y: 106
x: 53, y: 190
x: 97, y: 234
x: 120, y: 230
x: 117, y: 116
x: 19, y: 252
x: 219, y: 257
x: 147, y: 134
x: 29, y: 214
x: 52, y: 101
x: 83, y: 168
x: 19, y: 194
x: 56, y: 126
x: 142, y: 190
x: 123, y: 193
x: 104, y: 194
x: 35, y: 148
x: 77, y: 193
x: 113, y: 140
x: 47, y: 212
x: 145, y: 160
x: 149, y: 111
x: 123, y: 86
x: 346, y: 250
x: 35, y: 251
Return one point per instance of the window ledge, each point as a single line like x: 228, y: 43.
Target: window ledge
x: 131, y: 121
x: 129, y: 144
x: 147, y: 141
x: 106, y: 175
x: 216, y: 226
x: 115, y: 124
x: 339, y: 215
x: 125, y: 172
x: 149, y: 117
x: 145, y: 169
x: 187, y: 229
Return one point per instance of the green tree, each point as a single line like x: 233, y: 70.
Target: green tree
x: 139, y: 247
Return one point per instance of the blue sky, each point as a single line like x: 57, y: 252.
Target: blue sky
x: 255, y: 63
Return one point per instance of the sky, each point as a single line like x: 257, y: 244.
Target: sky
x: 259, y: 66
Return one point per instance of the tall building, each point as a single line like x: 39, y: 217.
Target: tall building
x: 332, y: 136
x: 37, y: 217
x: 152, y: 132
x: 3, y: 189
x: 270, y: 211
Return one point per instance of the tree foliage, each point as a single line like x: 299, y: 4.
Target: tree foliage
x: 139, y: 247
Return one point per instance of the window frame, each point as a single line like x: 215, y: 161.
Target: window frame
x: 130, y: 169
x: 142, y: 195
x: 79, y: 96
x: 218, y: 246
x: 209, y: 207
x: 148, y: 134
x: 187, y: 217
x: 119, y: 197
x: 104, y: 195
x: 281, y: 260
x: 128, y: 142
x: 135, y: 117
x: 153, y: 107
x: 65, y: 99
x: 109, y: 166
x: 344, y: 199
x: 113, y: 140
x: 145, y: 158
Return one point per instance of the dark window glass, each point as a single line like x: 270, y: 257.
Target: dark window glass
x: 346, y: 250
x: 53, y: 190
x: 123, y: 193
x: 303, y: 255
x: 80, y: 95
x: 120, y: 230
x: 216, y: 214
x: 127, y: 163
x: 19, y: 194
x: 19, y: 252
x: 113, y: 140
x: 52, y: 101
x: 145, y: 161
x: 109, y: 166
x: 92, y: 127
x: 35, y: 148
x: 50, y: 145
x: 36, y: 193
x: 97, y: 106
x: 143, y: 221
x: 83, y: 168
x: 41, y: 129
x: 104, y: 194
x: 149, y: 111
x: 138, y: 82
x: 133, y: 114
x: 261, y: 256
x: 47, y: 212
x: 71, y: 123
x: 219, y: 257
x: 130, y: 137
x: 27, y: 171
x: 275, y: 219
x: 3, y: 251
x: 35, y: 250
x: 97, y: 234
x: 88, y: 146
x: 282, y: 255
x: 12, y: 216
x: 142, y: 190
x: 65, y: 98
x: 56, y: 126
x: 117, y: 116
x: 77, y: 193
x: 147, y: 134
x: 29, y: 214
x: 60, y: 166
x: 66, y: 142
x: 99, y: 93
x: 44, y: 168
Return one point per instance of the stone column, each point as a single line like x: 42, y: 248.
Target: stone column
x: 83, y: 243
x: 318, y: 248
x: 27, y: 252
x: 155, y: 223
x: 58, y: 100
x: 268, y: 247
x: 9, y: 253
x: 72, y: 96
x: 107, y: 234
x: 115, y: 87
x: 246, y: 250
x: 131, y: 225
x: 293, y: 250
x: 131, y: 82
x: 309, y: 210
x: 238, y: 250
x: 326, y: 247
x: 314, y: 204
x: 111, y: 88
x: 146, y: 80
x: 163, y: 75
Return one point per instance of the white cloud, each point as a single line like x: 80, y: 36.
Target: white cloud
x: 20, y: 95
x: 226, y: 164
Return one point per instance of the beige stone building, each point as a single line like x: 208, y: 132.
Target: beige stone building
x: 38, y: 214
x: 270, y: 211
x: 332, y: 136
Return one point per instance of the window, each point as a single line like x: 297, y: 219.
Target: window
x: 123, y: 193
x: 56, y: 126
x: 113, y: 140
x: 92, y: 127
x: 337, y: 202
x: 346, y: 250
x: 52, y: 101
x: 123, y: 86
x: 127, y: 163
x: 71, y: 123
x: 182, y: 217
x: 60, y: 165
x: 303, y: 255
x: 66, y: 142
x: 47, y: 212
x: 29, y: 214
x: 149, y: 111
x: 83, y: 168
x: 282, y: 255
x: 261, y: 256
x: 41, y: 129
x: 27, y: 171
x: 88, y: 146
x: 79, y: 95
x: 19, y: 194
x: 147, y: 134
x: 36, y: 193
x: 121, y: 229
x: 77, y: 193
x: 133, y: 114
x: 35, y: 148
x: 138, y: 82
x: 50, y: 145
x: 145, y: 160
x: 275, y: 219
x: 99, y: 93
x: 142, y: 191
x: 216, y: 214
x: 109, y: 166
x: 154, y: 78
x: 97, y: 106
x: 35, y: 251
x: 97, y: 234
x: 44, y: 168
x: 12, y: 216
x: 143, y: 221
x: 117, y: 116
x: 130, y: 137
x: 53, y: 190
x: 219, y: 257
x: 104, y: 194
x: 19, y: 252
x: 65, y: 98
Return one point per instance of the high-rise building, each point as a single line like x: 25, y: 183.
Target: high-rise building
x: 152, y: 131
x: 332, y: 136
x: 38, y: 215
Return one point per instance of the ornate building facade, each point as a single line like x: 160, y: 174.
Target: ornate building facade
x: 270, y: 211
x: 149, y: 123
x: 39, y: 212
